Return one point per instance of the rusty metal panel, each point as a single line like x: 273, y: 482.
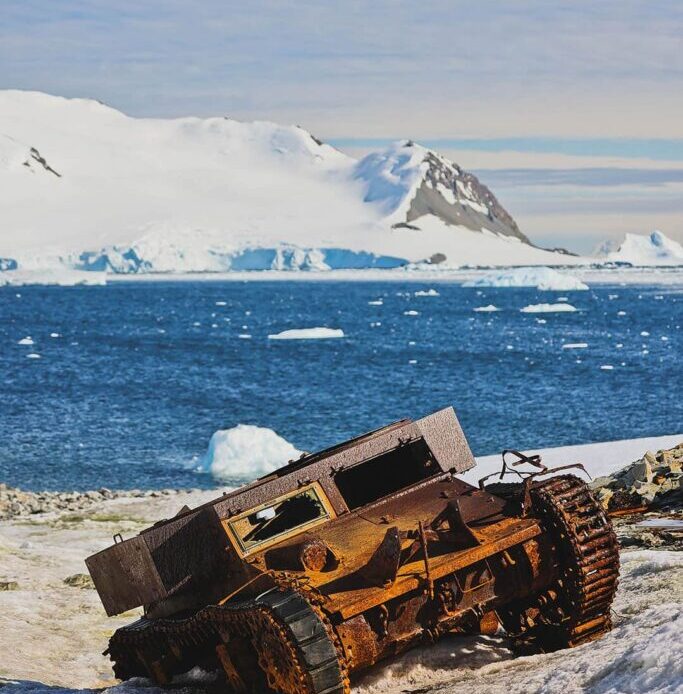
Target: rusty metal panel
x: 446, y: 440
x: 125, y: 576
x: 187, y: 547
x: 322, y: 469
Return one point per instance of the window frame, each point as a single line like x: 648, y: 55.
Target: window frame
x: 236, y: 540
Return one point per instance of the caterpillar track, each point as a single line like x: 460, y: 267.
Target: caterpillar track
x: 576, y: 608
x: 278, y: 642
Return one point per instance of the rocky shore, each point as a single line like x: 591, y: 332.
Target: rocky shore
x: 16, y: 502
x: 654, y: 482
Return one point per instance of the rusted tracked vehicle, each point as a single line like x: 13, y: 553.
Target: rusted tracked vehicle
x: 299, y: 580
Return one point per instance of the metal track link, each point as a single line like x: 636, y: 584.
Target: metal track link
x: 287, y: 636
x: 588, y: 567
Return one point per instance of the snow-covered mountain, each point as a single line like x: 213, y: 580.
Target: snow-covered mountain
x: 636, y: 249
x: 87, y: 187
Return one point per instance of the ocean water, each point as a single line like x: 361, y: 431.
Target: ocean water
x: 138, y: 376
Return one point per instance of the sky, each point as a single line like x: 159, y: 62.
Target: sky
x: 571, y: 111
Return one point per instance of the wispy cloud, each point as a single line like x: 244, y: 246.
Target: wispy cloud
x: 376, y: 68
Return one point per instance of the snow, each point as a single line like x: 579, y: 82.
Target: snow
x: 548, y: 308
x: 657, y: 249
x: 308, y: 334
x: 600, y: 459
x: 142, y: 195
x: 245, y: 452
x: 489, y: 308
x: 543, y: 278
x: 575, y: 345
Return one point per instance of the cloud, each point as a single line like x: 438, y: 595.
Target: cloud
x: 432, y: 69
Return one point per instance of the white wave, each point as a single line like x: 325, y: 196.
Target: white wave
x: 308, y: 334
x: 245, y: 452
x: 548, y: 308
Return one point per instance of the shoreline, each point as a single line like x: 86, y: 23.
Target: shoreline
x: 670, y: 275
x: 612, y: 455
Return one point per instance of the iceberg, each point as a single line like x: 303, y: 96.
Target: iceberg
x: 56, y: 277
x: 245, y: 452
x: 543, y: 278
x: 490, y: 308
x: 308, y: 334
x: 548, y: 308
x: 657, y: 249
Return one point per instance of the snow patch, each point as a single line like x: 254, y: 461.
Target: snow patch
x: 308, y: 334
x: 246, y: 452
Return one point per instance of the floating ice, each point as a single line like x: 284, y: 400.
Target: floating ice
x: 59, y: 277
x: 548, y: 308
x: 26, y: 341
x: 55, y: 335
x: 411, y: 313
x: 429, y: 292
x: 645, y: 333
x: 621, y: 313
x: 33, y: 355
x: 377, y: 302
x: 245, y: 452
x: 308, y: 334
x: 575, y: 345
x: 543, y: 278
x: 486, y: 309
x: 607, y: 367
x: 244, y: 336
x: 221, y: 303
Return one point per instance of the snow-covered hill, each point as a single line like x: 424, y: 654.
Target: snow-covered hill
x: 87, y: 187
x: 655, y: 249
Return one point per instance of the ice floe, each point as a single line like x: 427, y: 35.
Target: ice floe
x: 308, y: 334
x: 548, y: 308
x: 575, y: 345
x: 429, y: 292
x: 490, y: 308
x: 58, y: 277
x: 245, y: 452
x: 28, y: 340
x: 411, y: 313
x: 543, y: 278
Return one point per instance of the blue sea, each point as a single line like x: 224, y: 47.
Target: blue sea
x: 134, y: 378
